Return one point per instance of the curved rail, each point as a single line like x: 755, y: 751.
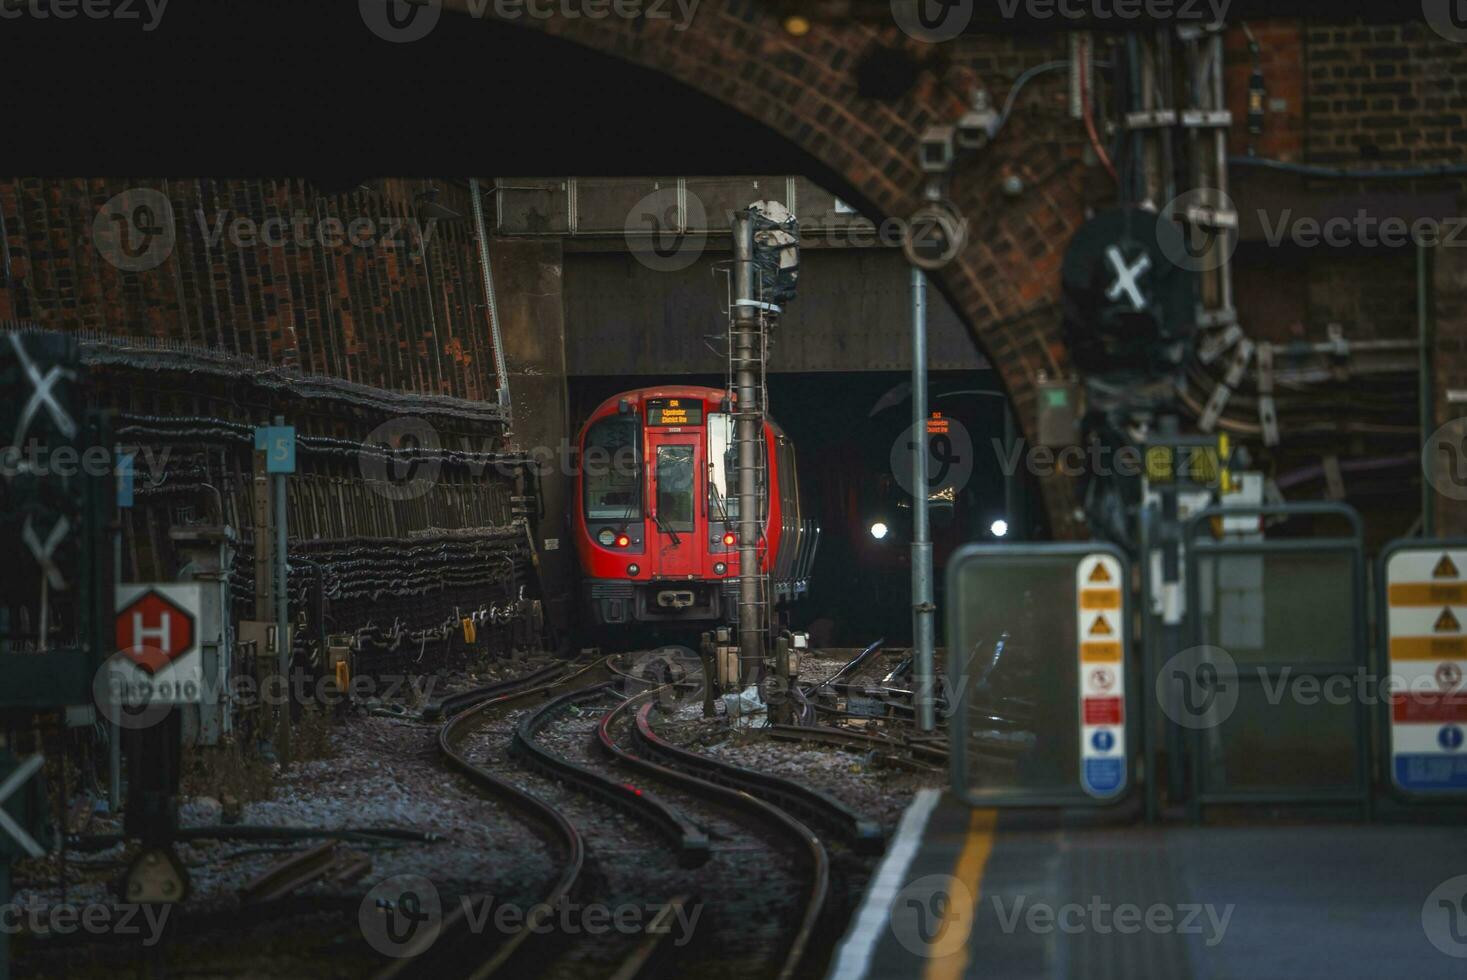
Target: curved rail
x: 449, y: 952
x: 863, y: 833
x: 690, y: 841
x: 819, y: 899
x: 456, y: 703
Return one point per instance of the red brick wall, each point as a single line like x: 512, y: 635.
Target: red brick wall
x: 373, y: 314
x: 1389, y: 94
x: 1281, y: 56
x: 1395, y: 96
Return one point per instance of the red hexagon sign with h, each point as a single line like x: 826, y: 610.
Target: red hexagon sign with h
x: 152, y: 631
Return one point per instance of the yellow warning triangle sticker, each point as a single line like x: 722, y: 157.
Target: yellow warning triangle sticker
x: 1446, y: 568
x: 1102, y: 628
x: 1099, y: 573
x: 1447, y: 623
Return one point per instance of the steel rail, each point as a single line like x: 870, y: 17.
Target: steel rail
x: 456, y: 703
x: 447, y: 956
x: 800, y: 948
x: 689, y: 840
x: 859, y: 741
x: 863, y: 833
x: 647, y: 959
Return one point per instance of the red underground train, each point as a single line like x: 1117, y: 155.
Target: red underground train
x: 656, y: 518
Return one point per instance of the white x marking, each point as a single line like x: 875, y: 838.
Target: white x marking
x: 42, y: 396
x: 43, y: 552
x: 1126, y: 277
x: 12, y: 783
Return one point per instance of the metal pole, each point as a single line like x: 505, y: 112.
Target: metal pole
x: 1169, y: 535
x: 922, y: 605
x: 1425, y: 387
x: 486, y: 271
x: 113, y: 728
x: 282, y: 607
x: 746, y: 435
x: 4, y: 902
x: 1011, y: 476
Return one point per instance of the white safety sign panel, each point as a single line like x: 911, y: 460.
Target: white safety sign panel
x: 1426, y: 607
x: 1100, y: 609
x: 157, y: 636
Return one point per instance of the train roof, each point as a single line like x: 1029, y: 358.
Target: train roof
x: 638, y: 395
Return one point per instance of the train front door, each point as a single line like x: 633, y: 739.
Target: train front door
x: 677, y: 459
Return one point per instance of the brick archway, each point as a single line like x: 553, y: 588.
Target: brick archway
x: 807, y: 90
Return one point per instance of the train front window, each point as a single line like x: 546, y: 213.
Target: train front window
x: 675, y: 488
x: 612, y: 467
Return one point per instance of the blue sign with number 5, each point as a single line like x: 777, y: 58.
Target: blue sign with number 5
x: 278, y: 441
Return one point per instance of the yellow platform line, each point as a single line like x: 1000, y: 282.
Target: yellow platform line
x: 972, y: 861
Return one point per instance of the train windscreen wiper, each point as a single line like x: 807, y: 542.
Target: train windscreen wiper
x: 665, y: 529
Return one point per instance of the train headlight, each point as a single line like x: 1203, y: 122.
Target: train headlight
x: 878, y: 530
x: 622, y: 540
x: 729, y: 538
x: 719, y: 568
x: 999, y: 528
x: 633, y: 569
x: 607, y: 537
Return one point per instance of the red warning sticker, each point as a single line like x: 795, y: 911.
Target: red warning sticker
x: 1429, y: 707
x: 1103, y: 711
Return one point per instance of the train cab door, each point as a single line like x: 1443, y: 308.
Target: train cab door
x: 677, y: 461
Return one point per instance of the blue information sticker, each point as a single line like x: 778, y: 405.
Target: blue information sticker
x: 1103, y: 777
x: 124, y: 479
x: 1428, y: 771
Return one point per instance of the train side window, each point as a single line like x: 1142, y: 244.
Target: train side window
x: 723, y: 468
x: 722, y: 463
x: 612, y: 470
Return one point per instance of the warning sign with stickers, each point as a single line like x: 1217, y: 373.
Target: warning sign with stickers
x: 1101, y: 611
x: 1426, y: 605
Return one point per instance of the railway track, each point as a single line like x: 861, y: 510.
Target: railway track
x: 848, y: 739
x: 686, y: 837
x: 740, y: 942
x: 729, y: 863
x: 812, y: 805
x: 460, y: 950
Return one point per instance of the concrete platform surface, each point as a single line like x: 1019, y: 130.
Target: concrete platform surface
x: 976, y: 893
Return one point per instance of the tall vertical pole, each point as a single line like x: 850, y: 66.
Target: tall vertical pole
x: 282, y: 606
x: 746, y: 436
x: 922, y: 605
x: 486, y: 273
x: 114, y: 730
x: 4, y: 902
x: 1169, y: 534
x: 264, y: 547
x: 1425, y: 387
